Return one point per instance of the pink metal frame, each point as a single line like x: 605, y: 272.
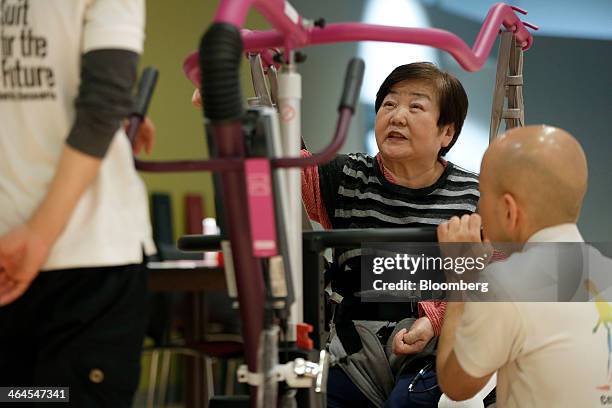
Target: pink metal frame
x: 261, y: 207
x: 290, y: 35
x: 252, y: 191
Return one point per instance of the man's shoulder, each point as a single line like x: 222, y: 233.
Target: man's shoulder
x: 533, y: 274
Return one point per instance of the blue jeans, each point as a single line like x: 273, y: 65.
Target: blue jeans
x: 342, y: 393
x: 400, y: 397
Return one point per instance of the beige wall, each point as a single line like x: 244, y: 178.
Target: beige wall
x: 174, y: 29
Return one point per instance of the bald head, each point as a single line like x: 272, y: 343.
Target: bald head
x: 545, y: 170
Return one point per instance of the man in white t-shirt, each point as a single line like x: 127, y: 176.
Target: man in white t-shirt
x: 71, y: 203
x: 547, y: 354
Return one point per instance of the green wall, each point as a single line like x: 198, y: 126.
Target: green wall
x: 174, y: 29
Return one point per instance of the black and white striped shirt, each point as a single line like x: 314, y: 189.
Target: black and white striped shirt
x: 356, y: 194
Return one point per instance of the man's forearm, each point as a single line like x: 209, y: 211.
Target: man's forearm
x: 454, y: 311
x: 75, y: 173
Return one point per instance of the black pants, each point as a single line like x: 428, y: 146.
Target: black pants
x: 343, y: 393
x: 78, y: 328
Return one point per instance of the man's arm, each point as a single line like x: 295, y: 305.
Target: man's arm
x: 104, y: 100
x: 454, y: 381
x: 477, y: 338
x: 24, y: 249
x: 75, y: 172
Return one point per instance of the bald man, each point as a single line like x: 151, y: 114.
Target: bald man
x: 532, y: 184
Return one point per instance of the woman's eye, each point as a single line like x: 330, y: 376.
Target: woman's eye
x: 416, y: 106
x: 389, y: 103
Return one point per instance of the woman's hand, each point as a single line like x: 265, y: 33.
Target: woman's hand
x: 413, y: 341
x: 196, y: 98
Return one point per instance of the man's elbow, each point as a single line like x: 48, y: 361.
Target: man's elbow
x: 455, y: 383
x: 456, y: 391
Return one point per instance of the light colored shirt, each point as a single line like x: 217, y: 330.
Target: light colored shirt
x: 547, y: 354
x: 39, y: 81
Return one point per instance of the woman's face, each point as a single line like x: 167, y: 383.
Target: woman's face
x: 406, y: 123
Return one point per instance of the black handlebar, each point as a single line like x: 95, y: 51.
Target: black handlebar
x: 146, y: 86
x: 221, y: 106
x: 320, y: 240
x: 220, y: 54
x: 352, y: 84
x: 348, y: 101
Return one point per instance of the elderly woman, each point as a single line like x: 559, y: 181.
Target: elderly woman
x: 419, y: 114
x: 384, y: 350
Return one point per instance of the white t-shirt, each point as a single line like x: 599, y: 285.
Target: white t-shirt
x: 41, y: 46
x: 546, y: 354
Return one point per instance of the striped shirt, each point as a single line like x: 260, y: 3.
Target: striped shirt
x: 357, y: 191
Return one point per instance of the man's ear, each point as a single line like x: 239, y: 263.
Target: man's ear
x: 448, y: 133
x: 511, y: 214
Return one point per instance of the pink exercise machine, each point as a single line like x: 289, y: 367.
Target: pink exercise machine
x: 256, y: 154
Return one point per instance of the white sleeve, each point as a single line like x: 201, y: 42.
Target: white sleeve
x: 114, y: 24
x: 489, y: 335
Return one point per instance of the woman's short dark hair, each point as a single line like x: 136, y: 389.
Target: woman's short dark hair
x: 452, y: 98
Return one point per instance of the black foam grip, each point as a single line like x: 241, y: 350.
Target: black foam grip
x: 352, y: 84
x: 220, y: 55
x: 146, y: 86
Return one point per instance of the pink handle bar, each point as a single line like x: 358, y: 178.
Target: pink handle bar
x: 279, y: 13
x: 470, y: 59
x: 226, y: 164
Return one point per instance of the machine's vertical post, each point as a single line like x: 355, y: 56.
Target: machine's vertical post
x: 515, y: 114
x: 508, y: 86
x: 289, y: 100
x: 314, y: 290
x: 249, y: 273
x: 259, y: 81
x: 499, y: 92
